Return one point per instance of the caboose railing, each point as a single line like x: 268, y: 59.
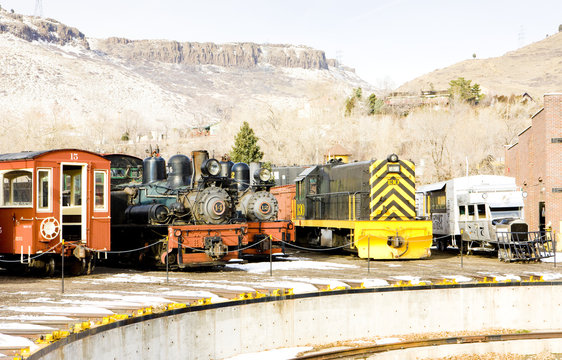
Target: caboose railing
x: 525, y: 246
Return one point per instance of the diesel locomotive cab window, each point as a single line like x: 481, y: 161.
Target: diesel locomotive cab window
x: 43, y: 190
x: 312, y: 186
x: 17, y: 188
x: 99, y: 188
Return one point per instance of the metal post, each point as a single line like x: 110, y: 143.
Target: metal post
x: 270, y: 258
x: 62, y: 266
x: 554, y: 245
x: 461, y: 247
x: 368, y: 254
x: 167, y: 259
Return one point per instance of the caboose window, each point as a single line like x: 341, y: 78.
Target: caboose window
x: 43, y: 189
x: 100, y: 190
x: 72, y: 188
x: 17, y: 188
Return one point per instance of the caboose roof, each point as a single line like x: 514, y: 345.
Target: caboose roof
x: 28, y: 155
x: 24, y: 155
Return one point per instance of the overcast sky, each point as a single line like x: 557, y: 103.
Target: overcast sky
x: 390, y: 41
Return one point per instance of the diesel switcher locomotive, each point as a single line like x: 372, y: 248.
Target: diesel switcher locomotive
x: 366, y: 207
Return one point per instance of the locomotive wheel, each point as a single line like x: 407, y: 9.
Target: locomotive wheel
x: 50, y: 267
x: 90, y: 264
x: 172, y: 258
x: 442, y: 245
x: 77, y: 266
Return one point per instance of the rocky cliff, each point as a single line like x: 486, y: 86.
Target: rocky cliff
x: 245, y: 55
x: 32, y: 28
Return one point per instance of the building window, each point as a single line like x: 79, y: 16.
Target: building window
x: 100, y: 190
x: 44, y: 189
x: 17, y: 188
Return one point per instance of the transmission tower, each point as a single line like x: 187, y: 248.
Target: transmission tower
x: 38, y: 8
x: 521, y: 36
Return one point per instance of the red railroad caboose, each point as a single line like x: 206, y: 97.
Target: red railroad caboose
x: 50, y: 197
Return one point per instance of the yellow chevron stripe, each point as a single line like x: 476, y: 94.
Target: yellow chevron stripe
x: 385, y: 183
x: 388, y: 213
x: 398, y: 201
x: 407, y: 196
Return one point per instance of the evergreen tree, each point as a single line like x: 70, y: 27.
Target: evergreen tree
x: 463, y: 90
x: 246, y: 148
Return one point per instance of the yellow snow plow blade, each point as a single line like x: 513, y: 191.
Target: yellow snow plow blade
x: 393, y: 239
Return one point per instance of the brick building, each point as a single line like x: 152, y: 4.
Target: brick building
x: 536, y: 163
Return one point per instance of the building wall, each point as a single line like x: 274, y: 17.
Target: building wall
x: 536, y: 163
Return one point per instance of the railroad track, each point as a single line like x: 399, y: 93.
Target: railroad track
x: 364, y: 351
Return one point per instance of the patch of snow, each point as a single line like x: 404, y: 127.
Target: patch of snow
x: 551, y: 258
x: 17, y: 342
x: 374, y: 283
x: 289, y: 265
x: 76, y: 310
x: 458, y: 278
x: 549, y: 276
x: 277, y: 354
x: 36, y: 319
x: 297, y: 286
x: 413, y: 279
x: 393, y: 265
x: 11, y: 326
x: 195, y: 294
x: 332, y: 283
x: 388, y: 341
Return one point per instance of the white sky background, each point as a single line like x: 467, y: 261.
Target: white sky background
x: 388, y: 42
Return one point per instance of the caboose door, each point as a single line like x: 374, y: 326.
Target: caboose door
x: 74, y: 188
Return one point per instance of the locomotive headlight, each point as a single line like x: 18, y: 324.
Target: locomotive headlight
x: 265, y: 174
x: 394, y: 168
x: 392, y: 158
x: 211, y: 167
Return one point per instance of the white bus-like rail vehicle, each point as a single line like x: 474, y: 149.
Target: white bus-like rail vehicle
x: 482, y: 212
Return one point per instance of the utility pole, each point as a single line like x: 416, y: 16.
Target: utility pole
x: 38, y: 8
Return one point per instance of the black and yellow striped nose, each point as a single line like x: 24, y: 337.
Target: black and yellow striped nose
x: 392, y: 190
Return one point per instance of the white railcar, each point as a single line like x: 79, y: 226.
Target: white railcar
x: 472, y: 209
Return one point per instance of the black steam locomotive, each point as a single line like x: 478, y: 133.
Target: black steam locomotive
x: 197, y: 191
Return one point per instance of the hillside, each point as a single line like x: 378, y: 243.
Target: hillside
x: 61, y: 88
x: 535, y: 69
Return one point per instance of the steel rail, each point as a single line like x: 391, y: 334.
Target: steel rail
x: 374, y: 349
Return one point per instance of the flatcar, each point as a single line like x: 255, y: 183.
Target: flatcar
x: 50, y: 198
x: 193, y: 211
x: 366, y: 207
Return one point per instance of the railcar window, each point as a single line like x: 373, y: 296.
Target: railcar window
x: 471, y: 212
x: 100, y: 190
x: 505, y: 212
x: 43, y: 190
x: 17, y: 188
x: 481, y: 211
x: 78, y: 190
x: 462, y: 212
x: 72, y: 189
x: 438, y: 202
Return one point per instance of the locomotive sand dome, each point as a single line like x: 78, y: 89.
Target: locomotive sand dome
x: 367, y: 207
